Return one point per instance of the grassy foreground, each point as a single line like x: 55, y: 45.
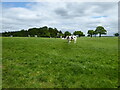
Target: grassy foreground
x: 53, y: 63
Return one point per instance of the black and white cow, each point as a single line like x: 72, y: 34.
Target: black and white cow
x: 71, y: 38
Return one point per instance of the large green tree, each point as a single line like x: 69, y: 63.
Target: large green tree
x: 67, y: 33
x: 100, y: 30
x: 90, y: 32
x: 79, y: 33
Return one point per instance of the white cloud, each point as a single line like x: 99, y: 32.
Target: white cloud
x: 65, y: 16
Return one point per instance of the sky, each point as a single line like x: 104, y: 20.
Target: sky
x: 65, y: 16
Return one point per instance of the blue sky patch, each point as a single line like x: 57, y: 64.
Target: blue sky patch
x: 99, y: 16
x: 16, y: 4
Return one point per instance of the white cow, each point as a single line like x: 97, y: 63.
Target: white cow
x: 71, y: 38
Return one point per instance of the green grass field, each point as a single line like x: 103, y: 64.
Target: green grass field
x: 53, y: 63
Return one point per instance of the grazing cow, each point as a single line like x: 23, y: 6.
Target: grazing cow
x: 71, y: 38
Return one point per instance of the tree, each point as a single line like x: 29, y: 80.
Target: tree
x: 22, y: 33
x: 95, y: 33
x: 90, y: 32
x: 53, y: 32
x: 79, y: 33
x: 5, y: 34
x: 116, y: 34
x: 47, y: 34
x: 67, y: 33
x: 100, y: 30
x: 32, y: 31
x: 60, y: 34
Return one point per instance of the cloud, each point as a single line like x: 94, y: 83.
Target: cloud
x: 66, y: 16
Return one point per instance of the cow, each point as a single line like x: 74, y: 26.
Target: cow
x: 71, y: 38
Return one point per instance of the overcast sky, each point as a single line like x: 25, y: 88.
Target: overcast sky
x: 65, y: 16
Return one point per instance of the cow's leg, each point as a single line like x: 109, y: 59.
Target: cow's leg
x: 69, y: 41
x: 74, y: 40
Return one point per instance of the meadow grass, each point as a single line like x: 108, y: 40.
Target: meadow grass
x: 30, y: 62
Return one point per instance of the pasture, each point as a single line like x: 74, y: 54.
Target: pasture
x: 29, y: 62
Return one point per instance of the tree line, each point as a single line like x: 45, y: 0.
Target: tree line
x: 41, y: 32
x: 53, y: 32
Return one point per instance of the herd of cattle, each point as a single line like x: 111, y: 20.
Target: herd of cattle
x: 71, y: 38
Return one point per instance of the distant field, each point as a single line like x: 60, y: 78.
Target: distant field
x: 53, y: 63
